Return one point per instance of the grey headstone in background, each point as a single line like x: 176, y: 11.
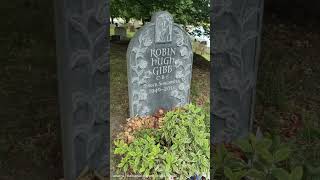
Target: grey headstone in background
x: 82, y: 52
x: 159, y: 61
x: 132, y: 28
x: 121, y: 31
x: 236, y: 31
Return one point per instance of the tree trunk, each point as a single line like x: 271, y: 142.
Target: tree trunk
x: 112, y: 21
x: 127, y: 19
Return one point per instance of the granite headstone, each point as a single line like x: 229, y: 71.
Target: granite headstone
x: 159, y: 61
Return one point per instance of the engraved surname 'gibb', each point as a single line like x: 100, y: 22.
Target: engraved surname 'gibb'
x: 162, y: 60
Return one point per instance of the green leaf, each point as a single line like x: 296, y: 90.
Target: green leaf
x: 265, y: 154
x: 228, y: 173
x: 118, y: 151
x: 120, y: 165
x: 142, y: 169
x: 240, y: 174
x: 253, y: 140
x: 296, y: 173
x: 244, y: 145
x: 313, y: 170
x: 125, y: 168
x: 136, y: 161
x: 264, y: 143
x: 147, y: 172
x: 280, y: 174
x: 281, y: 154
x: 257, y: 175
x: 132, y: 153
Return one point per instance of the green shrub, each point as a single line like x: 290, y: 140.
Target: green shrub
x: 262, y: 159
x: 179, y: 148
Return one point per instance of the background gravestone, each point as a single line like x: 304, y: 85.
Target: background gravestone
x: 159, y: 61
x: 132, y: 28
x: 236, y: 27
x: 121, y: 31
x: 82, y: 51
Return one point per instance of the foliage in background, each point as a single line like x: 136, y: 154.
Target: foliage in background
x: 192, y: 12
x: 287, y: 93
x: 306, y: 146
x: 260, y: 159
x: 179, y: 148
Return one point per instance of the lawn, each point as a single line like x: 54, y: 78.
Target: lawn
x: 129, y: 33
x: 204, y: 51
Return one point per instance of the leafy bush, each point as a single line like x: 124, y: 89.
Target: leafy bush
x: 255, y: 159
x: 179, y: 148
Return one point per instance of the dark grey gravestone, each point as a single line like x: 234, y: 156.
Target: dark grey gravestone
x: 159, y: 61
x: 236, y: 27
x: 82, y: 52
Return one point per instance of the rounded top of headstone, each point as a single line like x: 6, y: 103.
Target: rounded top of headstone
x: 159, y: 66
x: 160, y: 15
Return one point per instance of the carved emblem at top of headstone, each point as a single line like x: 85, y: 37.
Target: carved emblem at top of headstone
x: 164, y: 23
x: 159, y: 66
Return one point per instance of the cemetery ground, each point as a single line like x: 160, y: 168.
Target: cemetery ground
x: 288, y: 86
x: 288, y: 89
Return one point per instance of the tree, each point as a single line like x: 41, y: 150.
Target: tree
x: 186, y: 12
x: 115, y: 9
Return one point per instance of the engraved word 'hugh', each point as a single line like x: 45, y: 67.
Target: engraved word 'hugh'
x: 162, y: 60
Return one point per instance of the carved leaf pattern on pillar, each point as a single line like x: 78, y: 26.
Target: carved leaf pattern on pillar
x: 86, y: 28
x: 236, y: 26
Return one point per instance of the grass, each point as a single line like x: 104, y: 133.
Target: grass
x: 199, y: 49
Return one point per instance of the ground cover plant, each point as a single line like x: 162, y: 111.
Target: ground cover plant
x: 255, y: 158
x: 175, y: 143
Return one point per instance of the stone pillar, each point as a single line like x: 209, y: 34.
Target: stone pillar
x: 82, y: 29
x: 236, y: 27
